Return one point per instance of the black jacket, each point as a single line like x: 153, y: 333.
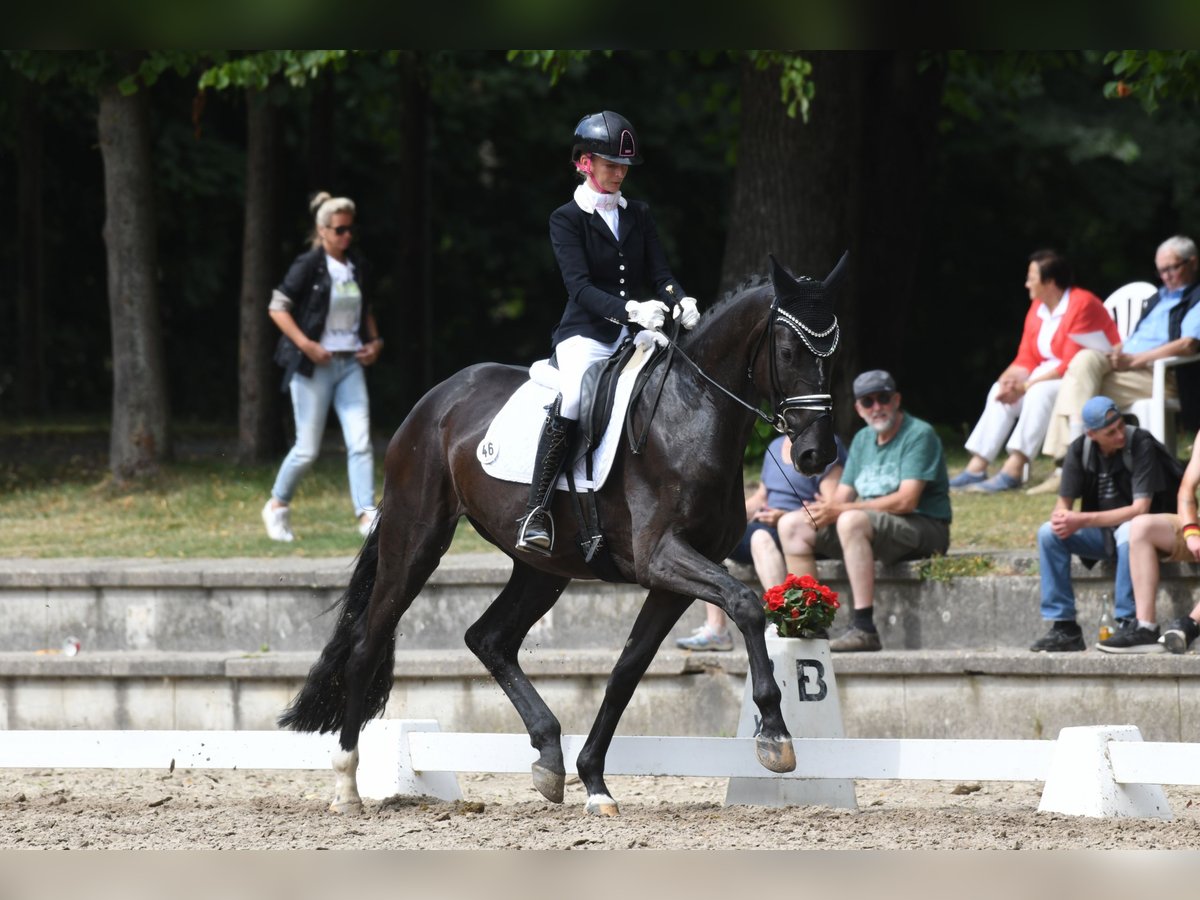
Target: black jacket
x: 602, y: 273
x: 308, y: 285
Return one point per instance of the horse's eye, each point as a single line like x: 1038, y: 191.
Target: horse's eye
x: 785, y: 353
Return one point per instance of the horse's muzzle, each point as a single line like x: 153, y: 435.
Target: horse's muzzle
x: 813, y: 447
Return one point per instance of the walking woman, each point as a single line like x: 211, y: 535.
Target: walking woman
x: 608, y: 252
x: 329, y: 335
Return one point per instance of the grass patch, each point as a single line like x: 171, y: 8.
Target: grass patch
x: 56, y: 501
x: 947, y: 568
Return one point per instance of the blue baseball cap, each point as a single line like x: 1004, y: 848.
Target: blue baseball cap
x: 1099, y: 412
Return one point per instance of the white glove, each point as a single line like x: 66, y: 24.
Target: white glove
x: 646, y: 340
x: 690, y: 314
x: 649, y: 313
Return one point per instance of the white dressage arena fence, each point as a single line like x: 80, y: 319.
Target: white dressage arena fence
x: 1088, y: 771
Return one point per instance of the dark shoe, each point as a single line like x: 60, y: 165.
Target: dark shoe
x: 1179, y: 634
x: 1055, y: 641
x: 1132, y: 639
x: 856, y: 641
x: 537, y: 525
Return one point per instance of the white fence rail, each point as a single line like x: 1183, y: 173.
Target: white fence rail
x: 1101, y: 771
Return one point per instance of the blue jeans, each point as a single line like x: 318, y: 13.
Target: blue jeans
x: 1054, y: 554
x: 339, y: 384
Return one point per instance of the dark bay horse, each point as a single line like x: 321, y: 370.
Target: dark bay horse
x: 670, y: 515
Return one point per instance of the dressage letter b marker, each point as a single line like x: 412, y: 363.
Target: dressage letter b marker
x: 811, y: 674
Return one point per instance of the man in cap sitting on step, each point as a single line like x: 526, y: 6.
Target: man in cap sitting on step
x: 1118, y: 472
x: 893, y: 502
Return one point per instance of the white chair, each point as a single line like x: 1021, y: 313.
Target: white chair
x: 1155, y: 413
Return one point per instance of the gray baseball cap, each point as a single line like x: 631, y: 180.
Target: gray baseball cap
x: 873, y: 382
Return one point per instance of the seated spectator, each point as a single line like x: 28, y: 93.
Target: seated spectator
x: 1165, y: 537
x: 775, y: 536
x: 1019, y: 403
x: 1117, y: 472
x: 1170, y: 326
x: 893, y: 502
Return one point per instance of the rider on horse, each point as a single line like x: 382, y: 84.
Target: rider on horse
x: 608, y: 252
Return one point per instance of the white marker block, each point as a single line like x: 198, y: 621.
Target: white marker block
x: 1081, y: 781
x: 385, y: 768
x: 804, y: 672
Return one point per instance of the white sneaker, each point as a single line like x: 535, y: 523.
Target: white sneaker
x: 278, y: 522
x: 364, y: 528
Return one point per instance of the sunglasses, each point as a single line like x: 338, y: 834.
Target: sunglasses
x: 883, y: 398
x: 1174, y: 267
x: 341, y: 229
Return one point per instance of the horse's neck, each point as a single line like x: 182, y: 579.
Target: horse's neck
x: 724, y: 345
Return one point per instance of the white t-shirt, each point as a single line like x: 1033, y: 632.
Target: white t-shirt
x: 345, y: 309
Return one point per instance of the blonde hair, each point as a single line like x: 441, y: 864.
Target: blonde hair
x: 324, y: 207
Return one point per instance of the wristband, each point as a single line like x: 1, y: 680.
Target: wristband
x: 1191, y: 529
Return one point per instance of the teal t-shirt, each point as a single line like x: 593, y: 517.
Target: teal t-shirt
x: 914, y: 452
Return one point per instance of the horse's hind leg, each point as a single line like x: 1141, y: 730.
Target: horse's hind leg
x: 659, y: 613
x: 496, y: 639
x: 408, y: 554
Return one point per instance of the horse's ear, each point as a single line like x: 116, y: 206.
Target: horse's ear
x: 780, y: 277
x: 832, y: 278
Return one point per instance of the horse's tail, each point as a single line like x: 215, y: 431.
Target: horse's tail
x: 321, y: 703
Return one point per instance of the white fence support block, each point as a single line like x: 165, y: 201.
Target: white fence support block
x: 386, y: 766
x: 1081, y: 781
x: 804, y: 672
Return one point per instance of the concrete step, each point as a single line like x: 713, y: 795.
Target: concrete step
x: 276, y: 604
x: 896, y: 693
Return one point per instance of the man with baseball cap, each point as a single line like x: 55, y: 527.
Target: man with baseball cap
x: 893, y: 501
x: 1117, y: 472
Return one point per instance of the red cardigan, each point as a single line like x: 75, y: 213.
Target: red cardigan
x: 1084, y: 313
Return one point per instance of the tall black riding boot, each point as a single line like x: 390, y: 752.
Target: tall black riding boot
x: 537, y: 525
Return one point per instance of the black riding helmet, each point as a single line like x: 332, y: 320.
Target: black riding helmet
x: 608, y: 135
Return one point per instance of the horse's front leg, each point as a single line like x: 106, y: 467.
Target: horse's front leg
x: 677, y: 566
x: 659, y: 613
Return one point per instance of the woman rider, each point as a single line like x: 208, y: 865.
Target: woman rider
x: 608, y: 252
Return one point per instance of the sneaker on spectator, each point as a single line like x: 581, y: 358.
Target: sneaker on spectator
x: 1049, y: 486
x: 1001, y: 481
x: 704, y: 638
x: 856, y: 641
x: 1179, y: 634
x: 1055, y: 641
x: 966, y: 479
x: 279, y: 522
x: 1132, y: 639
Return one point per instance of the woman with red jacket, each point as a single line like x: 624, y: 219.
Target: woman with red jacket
x: 1023, y: 396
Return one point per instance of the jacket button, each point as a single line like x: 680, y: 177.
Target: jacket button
x: 621, y: 281
x: 622, y: 293
x: 621, y: 267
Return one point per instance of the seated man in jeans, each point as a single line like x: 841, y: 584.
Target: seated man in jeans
x: 1166, y: 537
x: 893, y: 502
x: 1117, y: 472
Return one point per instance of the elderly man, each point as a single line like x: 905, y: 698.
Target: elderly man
x: 893, y: 502
x: 1118, y: 472
x: 1170, y: 326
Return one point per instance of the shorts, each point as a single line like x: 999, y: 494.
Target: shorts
x: 895, y: 538
x: 1180, y: 552
x: 741, y: 553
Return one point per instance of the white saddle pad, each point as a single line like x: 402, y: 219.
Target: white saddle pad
x: 508, y: 449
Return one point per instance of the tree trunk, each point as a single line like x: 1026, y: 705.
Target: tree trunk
x: 259, y: 435
x: 853, y: 179
x: 139, y: 440
x: 413, y: 304
x: 321, y: 136
x: 32, y: 388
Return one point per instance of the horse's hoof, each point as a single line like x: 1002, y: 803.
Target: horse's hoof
x: 776, y: 754
x: 346, y: 807
x: 549, y: 784
x: 602, y: 805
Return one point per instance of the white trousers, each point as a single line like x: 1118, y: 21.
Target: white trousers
x: 1026, y: 420
x: 574, y: 355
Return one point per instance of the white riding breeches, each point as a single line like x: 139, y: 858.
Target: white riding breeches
x: 574, y: 355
